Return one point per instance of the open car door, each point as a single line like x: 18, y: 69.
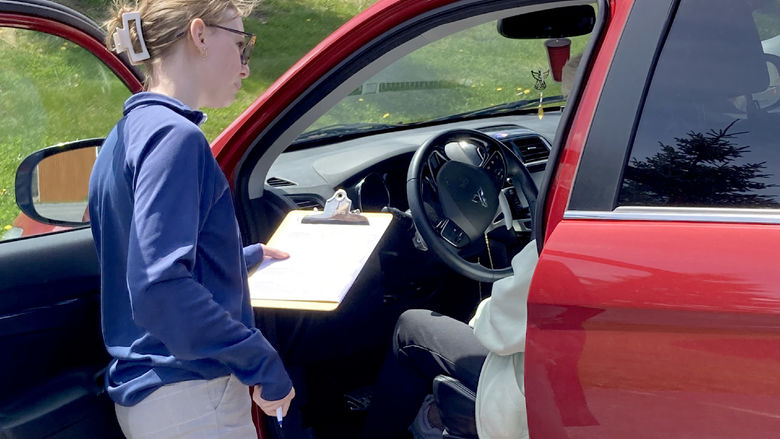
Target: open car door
x: 55, y: 75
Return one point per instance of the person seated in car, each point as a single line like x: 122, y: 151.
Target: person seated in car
x: 487, y: 358
x: 427, y: 344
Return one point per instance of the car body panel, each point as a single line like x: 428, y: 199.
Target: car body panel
x: 625, y: 339
x: 647, y: 328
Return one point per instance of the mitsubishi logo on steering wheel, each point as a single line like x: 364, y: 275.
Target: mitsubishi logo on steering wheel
x: 479, y: 197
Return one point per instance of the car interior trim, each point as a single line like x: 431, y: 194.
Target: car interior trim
x: 685, y: 214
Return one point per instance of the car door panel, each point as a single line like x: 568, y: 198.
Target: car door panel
x: 49, y: 325
x: 672, y: 342
x: 49, y: 284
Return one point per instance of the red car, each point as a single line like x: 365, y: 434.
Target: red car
x: 647, y: 168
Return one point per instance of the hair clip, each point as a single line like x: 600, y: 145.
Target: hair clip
x: 122, y: 40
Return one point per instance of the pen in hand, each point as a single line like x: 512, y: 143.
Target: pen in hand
x: 269, y: 408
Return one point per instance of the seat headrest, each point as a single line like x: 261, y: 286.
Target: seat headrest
x: 713, y: 48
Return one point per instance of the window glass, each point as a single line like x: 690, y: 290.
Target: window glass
x: 51, y: 91
x: 469, y: 71
x: 708, y: 133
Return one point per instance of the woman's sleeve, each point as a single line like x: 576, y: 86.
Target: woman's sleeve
x: 253, y: 255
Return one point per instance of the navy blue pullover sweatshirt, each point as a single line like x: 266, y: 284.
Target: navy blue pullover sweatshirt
x: 175, y: 301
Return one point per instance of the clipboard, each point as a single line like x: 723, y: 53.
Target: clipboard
x: 327, y: 252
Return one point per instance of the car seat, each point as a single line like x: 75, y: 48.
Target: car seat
x: 457, y: 405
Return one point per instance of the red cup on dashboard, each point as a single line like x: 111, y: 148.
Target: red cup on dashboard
x: 558, y: 50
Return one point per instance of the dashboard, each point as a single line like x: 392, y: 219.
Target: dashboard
x: 373, y: 169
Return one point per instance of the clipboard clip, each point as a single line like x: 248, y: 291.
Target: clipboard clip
x: 338, y: 210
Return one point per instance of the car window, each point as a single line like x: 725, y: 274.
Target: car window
x: 51, y: 91
x: 708, y: 133
x: 469, y: 71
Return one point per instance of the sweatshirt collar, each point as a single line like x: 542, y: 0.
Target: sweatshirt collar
x: 146, y: 98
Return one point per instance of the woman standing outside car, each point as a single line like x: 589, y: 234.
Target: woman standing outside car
x: 176, y: 315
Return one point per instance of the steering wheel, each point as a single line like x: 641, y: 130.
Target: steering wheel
x: 453, y: 187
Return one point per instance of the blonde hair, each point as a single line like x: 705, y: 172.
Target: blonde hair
x: 163, y: 22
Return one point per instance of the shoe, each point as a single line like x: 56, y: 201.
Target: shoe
x: 421, y: 428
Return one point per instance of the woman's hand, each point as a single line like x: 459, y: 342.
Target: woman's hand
x: 269, y: 407
x: 273, y: 253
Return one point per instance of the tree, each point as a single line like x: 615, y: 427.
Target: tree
x: 701, y: 170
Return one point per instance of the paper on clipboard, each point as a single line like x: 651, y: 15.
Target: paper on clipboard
x: 325, y: 260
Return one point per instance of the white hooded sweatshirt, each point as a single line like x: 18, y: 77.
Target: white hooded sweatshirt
x: 500, y: 325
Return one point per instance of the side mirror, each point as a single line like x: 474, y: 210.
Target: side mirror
x: 52, y: 184
x: 568, y: 21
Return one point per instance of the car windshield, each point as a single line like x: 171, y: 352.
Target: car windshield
x: 472, y: 73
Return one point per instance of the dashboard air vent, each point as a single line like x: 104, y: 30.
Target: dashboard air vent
x: 307, y: 203
x: 279, y: 182
x: 531, y: 149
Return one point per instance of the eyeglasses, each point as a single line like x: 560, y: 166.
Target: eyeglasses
x: 246, y: 49
x: 249, y: 42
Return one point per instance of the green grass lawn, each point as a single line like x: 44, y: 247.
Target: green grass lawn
x: 52, y: 91
x: 276, y: 49
x: 471, y: 69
